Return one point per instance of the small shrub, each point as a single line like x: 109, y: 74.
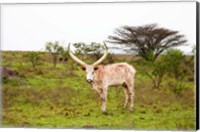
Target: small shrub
x: 170, y: 62
x: 109, y: 59
x: 177, y: 88
x: 55, y: 49
x: 35, y: 59
x: 173, y: 59
x: 64, y: 56
x: 157, y: 74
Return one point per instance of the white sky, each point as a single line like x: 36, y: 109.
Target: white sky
x: 29, y: 27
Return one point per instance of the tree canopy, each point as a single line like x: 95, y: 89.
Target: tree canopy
x: 55, y: 49
x: 148, y: 41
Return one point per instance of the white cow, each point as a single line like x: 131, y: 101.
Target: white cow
x: 102, y: 76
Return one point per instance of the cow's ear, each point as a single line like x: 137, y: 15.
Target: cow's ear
x: 96, y: 68
x: 83, y: 68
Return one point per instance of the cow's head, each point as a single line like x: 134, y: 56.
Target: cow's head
x: 90, y: 69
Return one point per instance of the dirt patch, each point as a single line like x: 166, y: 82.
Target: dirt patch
x: 8, y: 72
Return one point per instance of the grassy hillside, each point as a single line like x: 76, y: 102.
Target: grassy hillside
x: 57, y: 98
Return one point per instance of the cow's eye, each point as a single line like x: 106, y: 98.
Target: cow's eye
x: 96, y: 68
x: 83, y: 68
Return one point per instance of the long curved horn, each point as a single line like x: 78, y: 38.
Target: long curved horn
x: 75, y: 58
x: 103, y: 57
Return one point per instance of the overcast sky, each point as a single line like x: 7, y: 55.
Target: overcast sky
x: 29, y: 27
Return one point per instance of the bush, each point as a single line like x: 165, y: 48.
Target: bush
x: 35, y: 58
x: 169, y: 62
x: 173, y: 59
x: 157, y: 74
x: 109, y: 59
x: 55, y: 49
x: 178, y: 88
x: 96, y: 49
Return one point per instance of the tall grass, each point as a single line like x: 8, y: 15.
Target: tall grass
x: 52, y: 98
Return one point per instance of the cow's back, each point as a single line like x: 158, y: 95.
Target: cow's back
x: 118, y: 73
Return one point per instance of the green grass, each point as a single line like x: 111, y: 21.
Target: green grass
x: 52, y: 98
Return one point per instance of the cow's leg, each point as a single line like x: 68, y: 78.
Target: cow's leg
x: 131, y: 94
x: 126, y: 92
x: 131, y: 101
x: 103, y: 96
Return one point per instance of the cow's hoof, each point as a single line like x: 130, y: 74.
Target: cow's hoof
x: 104, y: 112
x: 132, y: 110
x: 124, y: 108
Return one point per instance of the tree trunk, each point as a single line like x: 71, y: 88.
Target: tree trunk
x: 54, y: 61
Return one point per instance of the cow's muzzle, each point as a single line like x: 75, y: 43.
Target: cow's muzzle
x: 89, y: 80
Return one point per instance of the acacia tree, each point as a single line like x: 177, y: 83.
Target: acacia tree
x: 81, y: 49
x: 148, y: 41
x: 95, y: 49
x: 55, y: 49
